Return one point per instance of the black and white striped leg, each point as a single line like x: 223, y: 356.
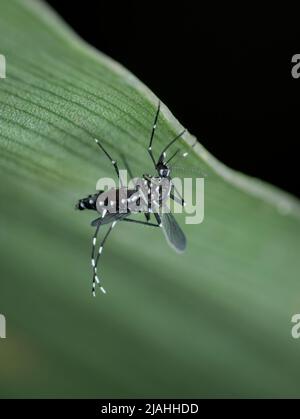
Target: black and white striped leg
x: 93, y: 256
x: 113, y: 162
x: 95, y: 276
x: 179, y: 201
x: 158, y: 219
x: 94, y: 241
x: 152, y: 135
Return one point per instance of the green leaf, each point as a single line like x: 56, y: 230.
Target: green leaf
x: 213, y: 321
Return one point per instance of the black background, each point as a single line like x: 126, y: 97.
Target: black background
x: 225, y: 74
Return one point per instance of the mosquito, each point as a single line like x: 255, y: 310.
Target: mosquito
x: 108, y: 203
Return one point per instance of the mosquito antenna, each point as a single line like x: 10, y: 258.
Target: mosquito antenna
x: 178, y: 158
x: 170, y: 143
x: 176, y: 152
x: 182, y: 156
x: 152, y: 134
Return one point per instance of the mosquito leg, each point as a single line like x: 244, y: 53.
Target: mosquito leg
x: 93, y: 256
x: 158, y: 219
x: 94, y: 241
x: 152, y: 135
x: 178, y: 200
x: 95, y: 277
x: 113, y: 162
x: 130, y: 220
x: 183, y: 203
x: 163, y: 153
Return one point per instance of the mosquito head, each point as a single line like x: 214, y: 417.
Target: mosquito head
x: 163, y: 170
x: 87, y: 203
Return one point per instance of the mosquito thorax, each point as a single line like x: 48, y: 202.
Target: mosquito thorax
x: 152, y: 179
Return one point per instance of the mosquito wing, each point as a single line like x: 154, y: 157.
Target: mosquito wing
x: 173, y: 232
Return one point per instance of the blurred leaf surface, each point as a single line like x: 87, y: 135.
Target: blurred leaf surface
x: 215, y: 321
